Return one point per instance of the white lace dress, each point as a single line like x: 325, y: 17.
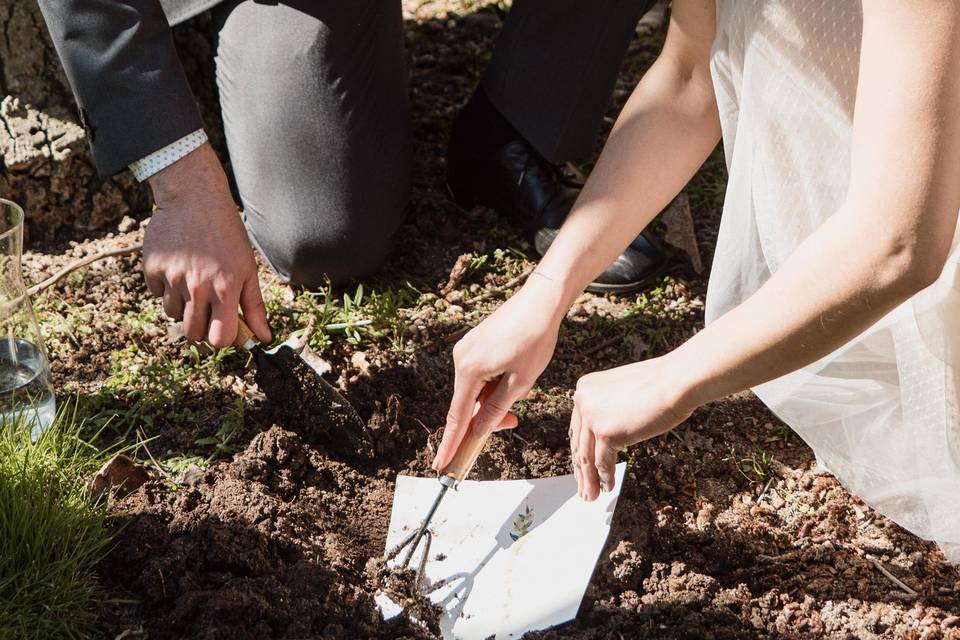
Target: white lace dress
x: 881, y: 412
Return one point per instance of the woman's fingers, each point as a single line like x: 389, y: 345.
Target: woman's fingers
x: 509, y: 422
x: 495, y: 403
x: 591, y: 479
x: 466, y: 390
x: 574, y: 435
x: 605, y: 457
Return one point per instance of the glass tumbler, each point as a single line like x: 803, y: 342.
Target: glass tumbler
x: 26, y: 396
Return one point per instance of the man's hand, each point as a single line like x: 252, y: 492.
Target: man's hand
x: 196, y: 253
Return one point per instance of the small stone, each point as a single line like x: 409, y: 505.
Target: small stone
x: 192, y: 476
x: 950, y: 621
x: 127, y: 224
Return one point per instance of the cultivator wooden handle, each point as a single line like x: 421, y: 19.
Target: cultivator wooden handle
x: 246, y: 338
x: 467, y: 454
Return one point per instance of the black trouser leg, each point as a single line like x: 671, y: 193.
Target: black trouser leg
x: 554, y: 68
x: 316, y: 114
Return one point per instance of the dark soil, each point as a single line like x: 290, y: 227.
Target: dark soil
x: 307, y: 400
x: 723, y: 528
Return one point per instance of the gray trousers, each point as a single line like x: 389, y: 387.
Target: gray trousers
x: 317, y: 119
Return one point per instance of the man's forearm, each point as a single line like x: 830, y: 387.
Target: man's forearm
x: 121, y: 62
x: 665, y: 132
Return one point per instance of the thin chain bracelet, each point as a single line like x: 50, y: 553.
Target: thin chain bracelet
x: 536, y: 272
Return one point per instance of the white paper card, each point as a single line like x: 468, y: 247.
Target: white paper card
x: 517, y: 554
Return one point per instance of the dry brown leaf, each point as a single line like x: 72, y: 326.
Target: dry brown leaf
x: 121, y: 473
x: 680, y: 232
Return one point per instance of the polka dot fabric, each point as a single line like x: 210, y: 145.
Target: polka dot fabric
x: 159, y: 160
x: 882, y: 411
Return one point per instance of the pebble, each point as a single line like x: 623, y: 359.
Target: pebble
x: 950, y: 622
x: 127, y: 224
x: 192, y: 476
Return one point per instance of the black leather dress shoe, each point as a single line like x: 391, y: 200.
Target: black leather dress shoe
x: 519, y: 183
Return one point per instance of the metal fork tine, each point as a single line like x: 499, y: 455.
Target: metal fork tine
x: 395, y: 551
x: 428, y: 539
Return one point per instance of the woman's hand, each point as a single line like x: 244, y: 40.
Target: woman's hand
x: 499, y: 361
x: 621, y: 406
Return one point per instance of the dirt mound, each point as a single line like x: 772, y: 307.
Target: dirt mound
x: 271, y: 545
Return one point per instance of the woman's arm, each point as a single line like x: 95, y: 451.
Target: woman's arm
x: 889, y: 240
x: 666, y: 131
x: 891, y: 237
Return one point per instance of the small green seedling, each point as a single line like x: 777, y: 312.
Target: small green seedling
x: 523, y: 524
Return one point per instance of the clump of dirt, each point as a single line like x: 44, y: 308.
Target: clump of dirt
x: 273, y: 544
x: 304, y: 398
x: 401, y: 585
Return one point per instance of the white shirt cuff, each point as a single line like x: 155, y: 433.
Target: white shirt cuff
x: 163, y: 158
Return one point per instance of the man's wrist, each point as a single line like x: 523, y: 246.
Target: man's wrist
x: 199, y: 169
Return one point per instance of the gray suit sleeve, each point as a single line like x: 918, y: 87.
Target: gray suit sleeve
x: 120, y: 60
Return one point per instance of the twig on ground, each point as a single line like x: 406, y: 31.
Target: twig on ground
x: 892, y: 578
x: 429, y: 434
x: 70, y: 268
x: 143, y: 443
x: 336, y: 326
x: 509, y: 284
x: 765, y: 489
x: 609, y: 342
x: 457, y: 273
x: 456, y: 335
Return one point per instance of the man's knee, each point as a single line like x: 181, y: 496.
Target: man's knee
x: 350, y: 241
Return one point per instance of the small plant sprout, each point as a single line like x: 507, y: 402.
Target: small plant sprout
x: 756, y: 468
x: 522, y: 524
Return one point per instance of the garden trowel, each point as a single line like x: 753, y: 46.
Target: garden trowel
x: 310, y: 403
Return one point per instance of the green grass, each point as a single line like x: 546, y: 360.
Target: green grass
x: 360, y: 317
x: 51, y: 535
x: 757, y: 467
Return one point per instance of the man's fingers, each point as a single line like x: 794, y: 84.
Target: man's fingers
x: 465, y: 393
x: 155, y: 283
x: 196, y: 318
x: 254, y: 313
x: 223, y: 320
x: 605, y: 457
x: 173, y: 303
x: 586, y: 451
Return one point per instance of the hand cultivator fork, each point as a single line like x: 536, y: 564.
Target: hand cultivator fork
x: 451, y: 476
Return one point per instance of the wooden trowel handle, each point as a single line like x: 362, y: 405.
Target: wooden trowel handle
x: 467, y: 454
x: 246, y: 338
